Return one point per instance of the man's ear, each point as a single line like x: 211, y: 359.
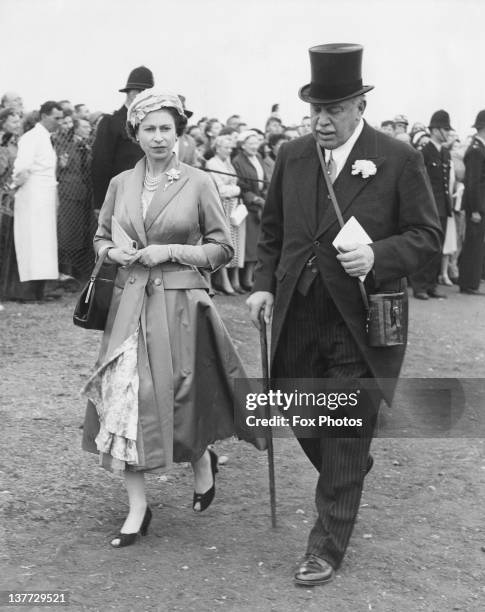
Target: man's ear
x: 362, y: 104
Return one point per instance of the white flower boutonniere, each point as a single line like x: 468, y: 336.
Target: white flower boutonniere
x: 172, y: 175
x: 365, y: 167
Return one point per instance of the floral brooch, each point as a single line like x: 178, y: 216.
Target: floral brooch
x: 365, y: 167
x: 172, y: 175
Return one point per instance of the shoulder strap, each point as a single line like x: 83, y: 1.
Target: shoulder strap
x: 99, y: 263
x: 339, y: 217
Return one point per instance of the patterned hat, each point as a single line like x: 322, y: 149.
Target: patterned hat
x: 151, y: 100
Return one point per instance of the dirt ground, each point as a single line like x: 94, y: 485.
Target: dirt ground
x: 418, y: 543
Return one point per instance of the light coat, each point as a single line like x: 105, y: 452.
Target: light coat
x: 187, y: 364
x: 35, y: 228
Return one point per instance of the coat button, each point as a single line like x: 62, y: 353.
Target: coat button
x: 316, y: 243
x: 132, y: 279
x: 157, y: 282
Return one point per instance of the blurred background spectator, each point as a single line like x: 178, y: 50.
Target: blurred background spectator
x: 252, y: 180
x: 10, y: 130
x: 75, y: 216
x: 227, y: 279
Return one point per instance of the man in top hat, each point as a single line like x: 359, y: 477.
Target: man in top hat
x: 437, y: 160
x: 473, y: 252
x: 311, y: 289
x: 113, y: 150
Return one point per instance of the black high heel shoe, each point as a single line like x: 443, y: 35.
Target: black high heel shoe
x: 127, y: 539
x: 205, y: 499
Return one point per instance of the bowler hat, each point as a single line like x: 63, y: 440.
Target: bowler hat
x: 336, y: 74
x: 480, y: 120
x: 440, y: 120
x: 140, y: 78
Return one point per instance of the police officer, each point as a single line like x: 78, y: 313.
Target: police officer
x: 471, y: 257
x: 437, y: 161
x: 113, y: 151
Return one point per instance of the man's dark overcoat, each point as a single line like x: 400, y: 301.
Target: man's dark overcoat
x: 472, y: 254
x: 113, y: 152
x: 438, y: 166
x: 396, y: 208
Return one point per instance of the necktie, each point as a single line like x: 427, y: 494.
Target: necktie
x: 331, y: 168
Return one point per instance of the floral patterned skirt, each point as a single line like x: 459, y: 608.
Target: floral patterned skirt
x: 184, y: 376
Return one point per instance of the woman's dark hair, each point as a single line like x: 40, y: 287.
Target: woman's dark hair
x: 208, y: 127
x: 227, y: 131
x: 180, y: 123
x: 5, y: 113
x: 273, y: 140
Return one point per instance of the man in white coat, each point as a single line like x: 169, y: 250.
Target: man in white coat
x: 35, y: 212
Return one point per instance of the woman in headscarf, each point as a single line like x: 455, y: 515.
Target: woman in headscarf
x: 163, y: 388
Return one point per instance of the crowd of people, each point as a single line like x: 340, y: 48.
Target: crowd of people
x: 91, y: 148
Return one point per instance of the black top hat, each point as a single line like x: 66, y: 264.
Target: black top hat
x: 188, y: 113
x: 440, y: 120
x: 480, y: 120
x: 140, y: 78
x: 336, y: 74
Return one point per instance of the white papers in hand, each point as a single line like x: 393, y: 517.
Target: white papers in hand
x: 120, y: 237
x: 352, y: 233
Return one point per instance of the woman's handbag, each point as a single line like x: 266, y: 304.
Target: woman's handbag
x: 238, y: 215
x: 386, y: 314
x: 93, y: 304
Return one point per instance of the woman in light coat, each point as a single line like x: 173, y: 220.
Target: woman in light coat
x: 229, y: 191
x: 163, y: 387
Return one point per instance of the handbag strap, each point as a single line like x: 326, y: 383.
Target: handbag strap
x: 99, y: 263
x: 339, y: 217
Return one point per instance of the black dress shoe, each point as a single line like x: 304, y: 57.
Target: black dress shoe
x: 313, y: 571
x: 127, y: 539
x: 205, y: 499
x: 436, y: 293
x: 421, y: 295
x: 471, y: 291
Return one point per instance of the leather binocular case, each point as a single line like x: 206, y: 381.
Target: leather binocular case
x: 386, y: 319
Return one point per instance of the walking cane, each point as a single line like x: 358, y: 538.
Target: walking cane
x: 269, y: 436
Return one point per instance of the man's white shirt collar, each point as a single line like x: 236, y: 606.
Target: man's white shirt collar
x: 340, y: 154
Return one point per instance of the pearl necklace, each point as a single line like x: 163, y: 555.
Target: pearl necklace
x: 151, y: 183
